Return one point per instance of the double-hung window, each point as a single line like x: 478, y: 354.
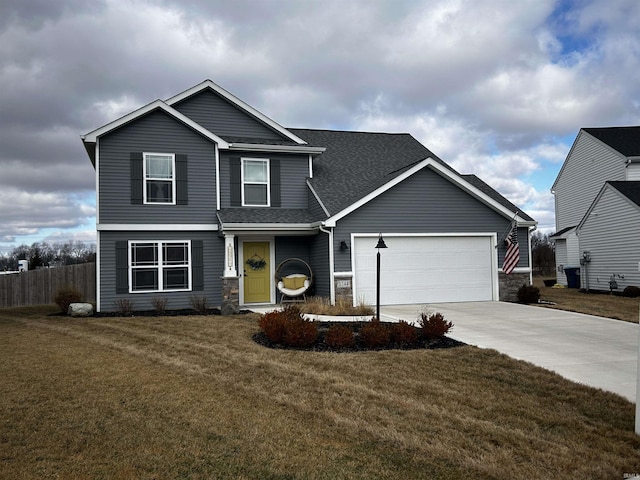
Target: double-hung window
x: 160, y: 266
x: 159, y: 178
x: 255, y: 182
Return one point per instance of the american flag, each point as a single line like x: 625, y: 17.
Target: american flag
x: 512, y: 256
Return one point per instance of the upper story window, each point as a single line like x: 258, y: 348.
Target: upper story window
x: 159, y: 178
x: 255, y: 182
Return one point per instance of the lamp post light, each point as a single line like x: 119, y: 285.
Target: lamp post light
x: 380, y: 245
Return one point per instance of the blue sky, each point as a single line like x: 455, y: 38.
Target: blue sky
x: 493, y: 87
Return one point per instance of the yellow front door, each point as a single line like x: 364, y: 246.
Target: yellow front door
x: 257, y: 272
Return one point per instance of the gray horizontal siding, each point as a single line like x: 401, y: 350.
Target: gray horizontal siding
x: 312, y: 249
x: 222, y: 118
x: 424, y: 203
x: 588, y: 166
x: 213, y: 252
x: 294, y: 170
x: 156, y: 132
x: 319, y: 259
x: 613, y: 243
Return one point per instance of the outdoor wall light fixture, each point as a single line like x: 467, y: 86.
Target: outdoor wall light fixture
x: 343, y: 245
x: 380, y: 245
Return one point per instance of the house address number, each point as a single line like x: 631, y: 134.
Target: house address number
x: 343, y: 283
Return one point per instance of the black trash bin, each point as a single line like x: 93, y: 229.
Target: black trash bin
x: 573, y: 277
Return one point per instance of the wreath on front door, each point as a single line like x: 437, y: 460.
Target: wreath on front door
x: 256, y: 262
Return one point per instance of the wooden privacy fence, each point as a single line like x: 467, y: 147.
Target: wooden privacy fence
x: 39, y: 287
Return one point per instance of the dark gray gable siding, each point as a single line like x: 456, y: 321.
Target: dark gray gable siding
x: 207, y: 251
x: 293, y: 171
x: 219, y: 116
x: 426, y: 202
x: 156, y: 132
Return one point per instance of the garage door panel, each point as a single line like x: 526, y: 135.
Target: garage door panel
x: 418, y: 269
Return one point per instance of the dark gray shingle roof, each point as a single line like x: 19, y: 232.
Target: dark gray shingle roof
x: 265, y: 215
x: 625, y: 140
x: 630, y: 189
x: 356, y: 163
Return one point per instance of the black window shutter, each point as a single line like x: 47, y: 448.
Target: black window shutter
x: 197, y: 266
x: 274, y: 167
x: 137, y: 182
x: 182, y: 194
x: 236, y: 182
x: 122, y: 267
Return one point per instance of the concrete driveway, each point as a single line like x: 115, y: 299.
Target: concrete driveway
x: 595, y: 351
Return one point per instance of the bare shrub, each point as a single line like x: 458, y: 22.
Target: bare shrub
x: 66, y: 296
x: 124, y: 306
x: 159, y: 304
x: 199, y: 303
x: 402, y: 333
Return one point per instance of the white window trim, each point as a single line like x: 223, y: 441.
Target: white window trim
x: 160, y: 267
x: 173, y: 178
x: 268, y: 184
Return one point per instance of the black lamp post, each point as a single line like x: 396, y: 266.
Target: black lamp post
x: 380, y: 245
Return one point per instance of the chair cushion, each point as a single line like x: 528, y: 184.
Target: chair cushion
x: 289, y: 283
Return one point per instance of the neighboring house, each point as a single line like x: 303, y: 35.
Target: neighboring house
x: 202, y: 195
x: 598, y: 155
x: 610, y: 234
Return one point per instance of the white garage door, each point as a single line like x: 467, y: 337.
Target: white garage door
x: 424, y: 269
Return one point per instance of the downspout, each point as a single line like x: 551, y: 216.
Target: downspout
x: 331, y: 264
x: 531, y: 230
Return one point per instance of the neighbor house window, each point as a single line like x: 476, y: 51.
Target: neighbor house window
x: 255, y: 182
x: 159, y: 178
x: 160, y: 266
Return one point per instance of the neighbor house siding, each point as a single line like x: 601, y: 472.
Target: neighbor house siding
x: 220, y: 117
x: 213, y: 260
x: 613, y: 242
x: 428, y: 204
x: 633, y: 171
x: 156, y: 132
x: 589, y: 165
x: 294, y: 169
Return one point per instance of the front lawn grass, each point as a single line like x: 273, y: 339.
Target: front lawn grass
x: 195, y: 397
x: 600, y: 304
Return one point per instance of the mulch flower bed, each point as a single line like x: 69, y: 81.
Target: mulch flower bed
x: 320, y: 345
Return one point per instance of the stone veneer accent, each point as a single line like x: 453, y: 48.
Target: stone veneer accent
x: 509, y: 285
x: 231, y: 290
x: 344, y: 288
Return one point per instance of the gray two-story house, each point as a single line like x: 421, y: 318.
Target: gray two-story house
x: 201, y: 195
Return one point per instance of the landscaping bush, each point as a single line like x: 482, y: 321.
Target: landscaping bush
x: 339, y: 336
x: 300, y: 332
x: 273, y: 325
x: 375, y: 334
x: 528, y: 294
x: 199, y: 303
x: 66, y: 296
x: 434, y: 325
x: 124, y: 306
x: 159, y: 304
x: 631, y: 291
x: 402, y: 333
x: 289, y: 327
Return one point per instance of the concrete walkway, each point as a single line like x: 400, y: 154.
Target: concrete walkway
x: 595, y: 351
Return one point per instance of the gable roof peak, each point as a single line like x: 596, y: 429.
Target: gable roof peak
x: 208, y: 84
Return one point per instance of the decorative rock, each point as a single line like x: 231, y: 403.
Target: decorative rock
x: 229, y: 308
x: 80, y: 310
